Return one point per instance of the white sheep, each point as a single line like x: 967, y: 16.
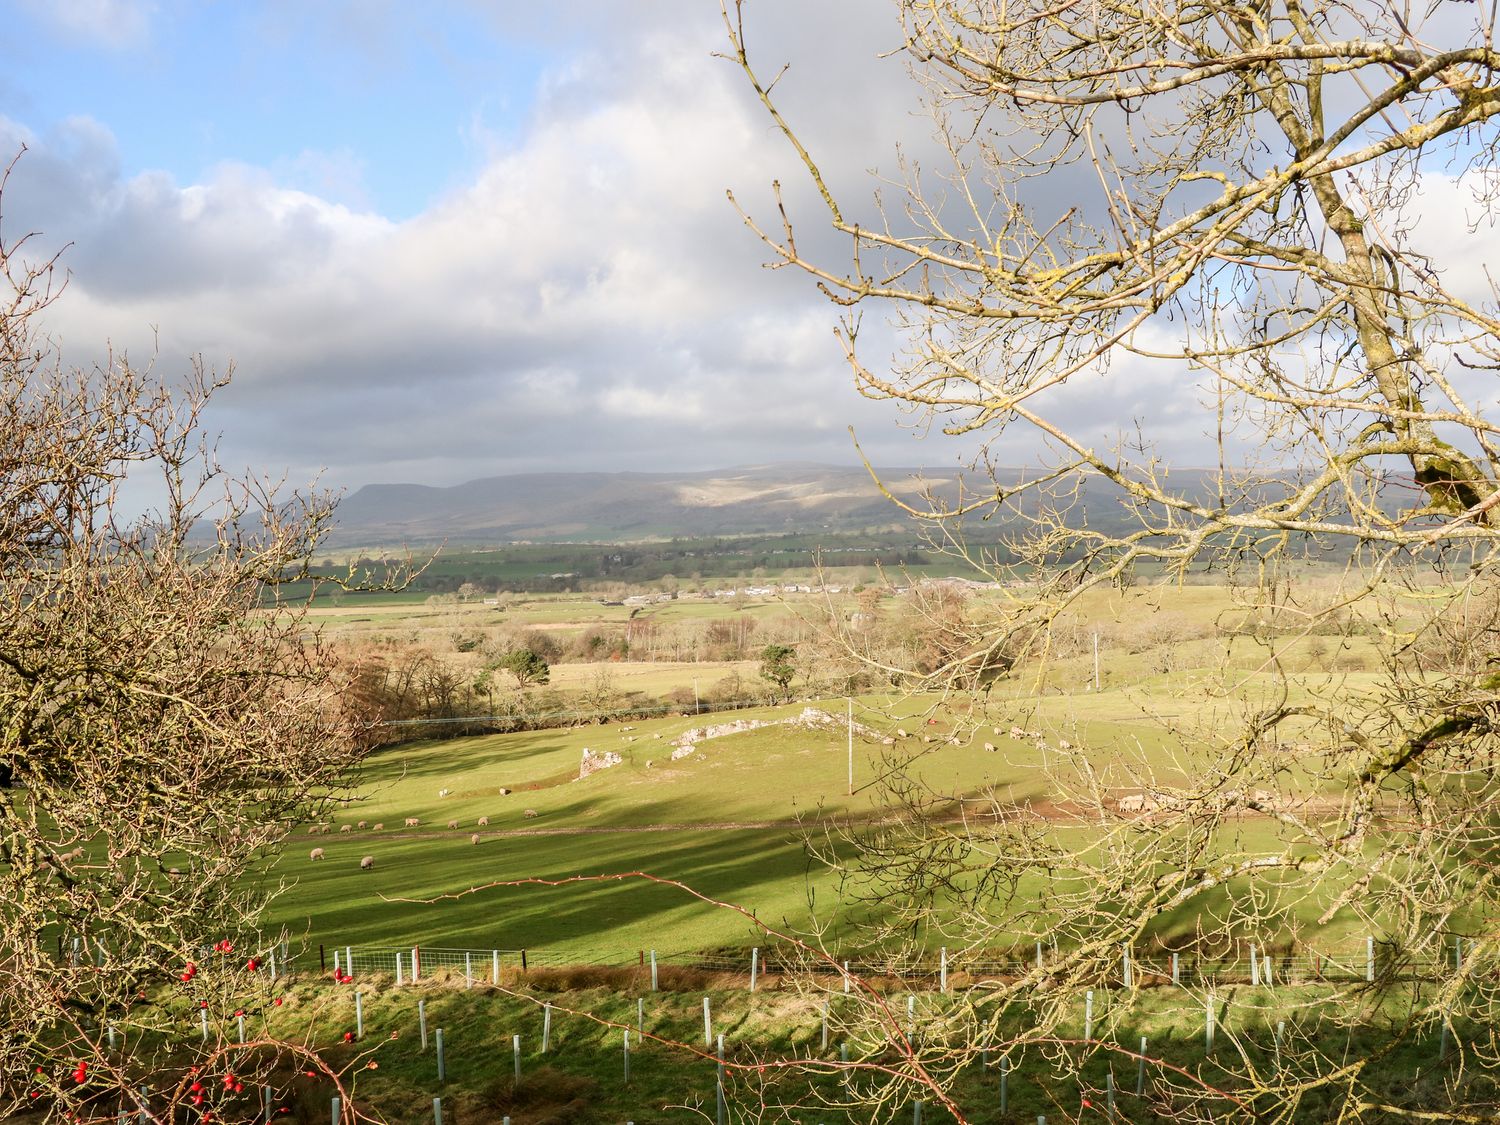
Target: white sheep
x: 442, y: 792
x: 474, y: 839
x: 367, y: 863
x: 361, y: 824
x: 453, y: 824
x: 484, y: 822
x: 530, y: 813
x: 316, y: 853
x: 412, y: 822
x: 378, y: 828
x: 345, y: 829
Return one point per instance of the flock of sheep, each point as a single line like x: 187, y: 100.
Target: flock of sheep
x: 367, y: 863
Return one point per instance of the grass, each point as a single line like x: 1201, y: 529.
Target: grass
x: 580, y: 1077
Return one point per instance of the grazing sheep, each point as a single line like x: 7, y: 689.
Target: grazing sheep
x: 378, y: 828
x: 313, y: 830
x: 989, y: 745
x: 1064, y: 744
x: 316, y: 853
x: 504, y: 792
x: 367, y: 863
x: 442, y: 792
x: 346, y: 828
x: 484, y: 822
x: 530, y: 813
x: 452, y: 824
x: 412, y: 822
x: 361, y: 824
x: 474, y: 839
x: 900, y: 733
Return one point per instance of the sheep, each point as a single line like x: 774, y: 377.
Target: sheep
x: 530, y: 813
x: 484, y: 822
x: 989, y: 746
x: 345, y: 829
x: 367, y: 863
x: 504, y: 792
x: 474, y: 839
x: 378, y: 828
x: 413, y: 822
x: 361, y: 824
x: 442, y: 792
x: 453, y: 824
x: 313, y: 830
x: 315, y: 854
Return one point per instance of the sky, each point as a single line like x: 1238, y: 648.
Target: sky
x: 446, y: 242
x: 443, y: 242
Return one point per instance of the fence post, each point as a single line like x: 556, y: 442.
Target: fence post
x: 495, y: 967
x: 1176, y: 971
x: 240, y: 1020
x: 1038, y: 955
x: 653, y: 970
x: 708, y: 1027
x: 943, y: 969
x: 1254, y: 967
x: 416, y: 965
x: 1140, y: 1070
x: 546, y: 1026
x: 338, y: 1113
x: 359, y: 1016
x: 721, y: 1108
x: 1370, y: 958
x: 1208, y: 1023
x: 515, y: 1049
x: 348, y: 960
x: 441, y: 1069
x: 422, y: 1021
x: 640, y: 1016
x: 846, y: 978
x: 437, y: 1111
x: 1088, y: 1015
x: 1126, y: 970
x: 626, y: 1032
x: 1109, y: 1093
x: 203, y: 1022
x: 754, y: 966
x: 398, y: 970
x: 468, y: 970
x: 1004, y: 1083
x: 825, y: 1023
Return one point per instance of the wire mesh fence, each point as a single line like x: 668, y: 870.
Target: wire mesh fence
x: 1249, y: 964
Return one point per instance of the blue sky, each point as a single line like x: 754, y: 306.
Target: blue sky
x: 383, y: 106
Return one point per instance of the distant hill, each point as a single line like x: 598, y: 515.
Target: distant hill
x: 780, y: 499
x: 560, y: 507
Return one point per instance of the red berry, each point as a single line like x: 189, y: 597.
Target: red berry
x: 239, y: 1087
x: 277, y: 1001
x: 348, y: 1038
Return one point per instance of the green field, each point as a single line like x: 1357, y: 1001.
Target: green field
x: 730, y: 820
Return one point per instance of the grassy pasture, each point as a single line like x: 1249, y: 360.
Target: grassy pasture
x: 728, y: 820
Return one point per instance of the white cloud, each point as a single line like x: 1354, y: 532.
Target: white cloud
x: 591, y: 274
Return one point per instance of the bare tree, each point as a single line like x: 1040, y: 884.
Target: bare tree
x: 159, y: 733
x: 1236, y: 202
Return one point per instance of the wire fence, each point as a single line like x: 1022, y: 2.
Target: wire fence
x: 1250, y: 964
